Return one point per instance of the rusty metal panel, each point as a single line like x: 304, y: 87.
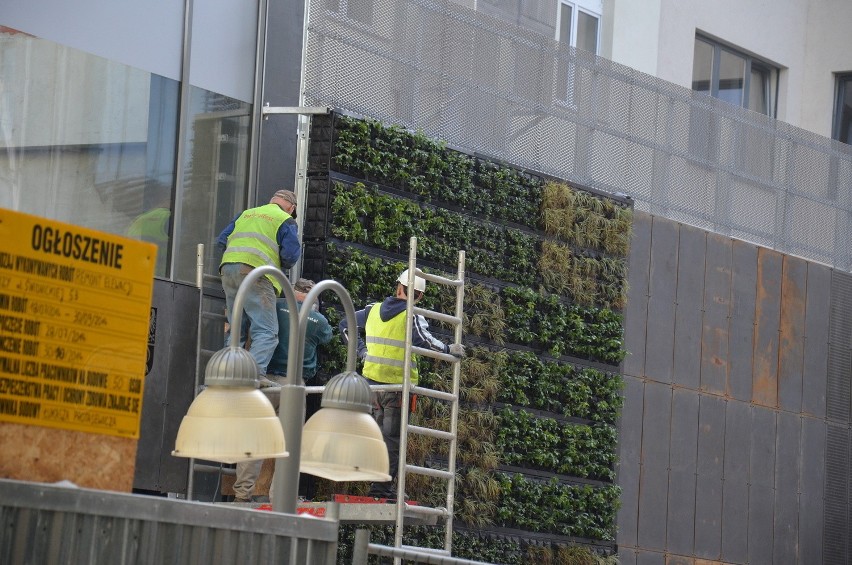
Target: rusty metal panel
x: 816, y: 340
x: 659, y: 347
x: 812, y: 487
x: 708, y: 496
x: 840, y: 335
x: 767, y: 325
x: 688, y: 310
x: 762, y: 460
x: 741, y: 339
x: 791, y: 339
x: 760, y: 514
x: 708, y: 517
x: 717, y: 302
x: 653, y: 486
x: 734, y: 548
x: 836, y: 528
x: 626, y: 556
x: 629, y: 460
x: 636, y: 312
x: 684, y: 440
x: 650, y: 558
x: 735, y: 481
x: 787, y: 469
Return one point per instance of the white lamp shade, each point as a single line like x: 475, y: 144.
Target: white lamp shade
x: 230, y: 424
x: 344, y: 445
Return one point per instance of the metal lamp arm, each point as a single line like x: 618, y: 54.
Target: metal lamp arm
x: 310, y: 299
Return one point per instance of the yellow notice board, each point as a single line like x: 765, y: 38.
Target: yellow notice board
x: 74, y: 309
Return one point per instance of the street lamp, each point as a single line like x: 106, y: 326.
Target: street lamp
x: 230, y: 420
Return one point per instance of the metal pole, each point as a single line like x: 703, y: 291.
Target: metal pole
x: 199, y: 282
x: 359, y: 550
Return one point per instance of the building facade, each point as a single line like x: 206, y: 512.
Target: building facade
x: 108, y: 113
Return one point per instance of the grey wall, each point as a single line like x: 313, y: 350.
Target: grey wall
x: 727, y: 452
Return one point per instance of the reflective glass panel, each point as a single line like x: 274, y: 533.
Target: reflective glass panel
x: 86, y: 140
x: 758, y: 90
x: 731, y: 77
x: 587, y: 32
x: 702, y: 67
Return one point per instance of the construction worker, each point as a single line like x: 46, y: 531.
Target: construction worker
x: 266, y: 235
x: 383, y: 351
x: 317, y: 332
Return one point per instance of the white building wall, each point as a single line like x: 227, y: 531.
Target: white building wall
x: 809, y: 40
x: 827, y: 50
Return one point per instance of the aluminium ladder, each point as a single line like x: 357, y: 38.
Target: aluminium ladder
x: 402, y: 507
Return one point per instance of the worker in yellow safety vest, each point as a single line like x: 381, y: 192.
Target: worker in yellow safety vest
x: 383, y: 353
x: 266, y: 235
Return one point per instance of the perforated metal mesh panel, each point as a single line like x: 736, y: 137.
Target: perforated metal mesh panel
x: 509, y: 91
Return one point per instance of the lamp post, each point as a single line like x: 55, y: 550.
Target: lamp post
x: 230, y: 420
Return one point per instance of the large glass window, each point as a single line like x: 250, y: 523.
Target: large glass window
x: 735, y: 77
x: 86, y: 140
x: 92, y: 142
x: 842, y: 129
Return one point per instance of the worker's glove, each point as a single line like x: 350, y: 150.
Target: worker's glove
x: 362, y: 353
x: 457, y: 350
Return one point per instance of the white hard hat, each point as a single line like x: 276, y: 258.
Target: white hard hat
x: 419, y: 282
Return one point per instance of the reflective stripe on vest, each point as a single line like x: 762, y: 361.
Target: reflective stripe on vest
x: 385, y: 361
x: 254, y: 239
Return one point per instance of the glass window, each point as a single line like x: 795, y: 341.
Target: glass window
x: 358, y: 10
x: 215, y: 177
x: 86, y: 140
x: 842, y: 130
x: 734, y: 77
x: 92, y: 142
x: 579, y: 24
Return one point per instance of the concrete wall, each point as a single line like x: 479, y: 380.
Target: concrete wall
x: 730, y: 450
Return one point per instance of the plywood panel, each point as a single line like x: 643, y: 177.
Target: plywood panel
x: 791, y: 337
x: 659, y: 348
x: 741, y: 340
x: 816, y: 340
x: 689, y: 308
x: 717, y: 303
x: 34, y: 453
x: 636, y: 312
x: 767, y: 325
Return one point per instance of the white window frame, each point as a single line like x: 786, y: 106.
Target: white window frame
x: 591, y: 7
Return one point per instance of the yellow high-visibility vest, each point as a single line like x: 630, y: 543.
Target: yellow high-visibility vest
x: 254, y: 240
x: 386, y: 348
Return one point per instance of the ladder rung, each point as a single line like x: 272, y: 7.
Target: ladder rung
x: 432, y: 393
x: 438, y: 278
x: 434, y: 354
x: 416, y: 509
x: 448, y: 318
x: 425, y: 549
x: 417, y: 470
x: 431, y: 432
